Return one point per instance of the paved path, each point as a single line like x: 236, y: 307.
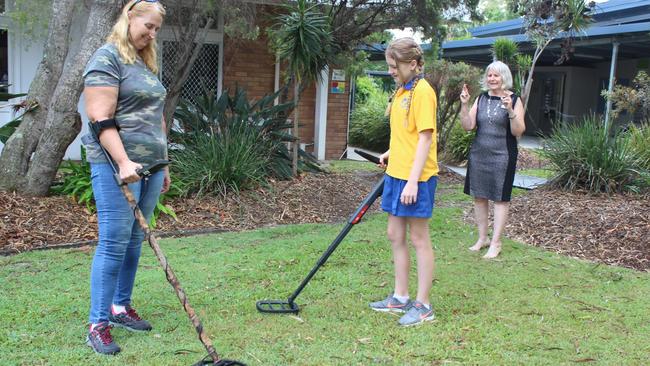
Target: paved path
x: 521, y: 181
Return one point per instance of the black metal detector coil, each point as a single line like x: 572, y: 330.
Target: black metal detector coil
x: 223, y: 362
x: 277, y: 306
x: 289, y: 306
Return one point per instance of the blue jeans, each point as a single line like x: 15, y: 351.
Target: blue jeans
x: 120, y: 238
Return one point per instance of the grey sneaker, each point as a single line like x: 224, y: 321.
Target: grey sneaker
x: 129, y: 320
x: 416, y: 314
x: 390, y: 304
x: 101, y: 341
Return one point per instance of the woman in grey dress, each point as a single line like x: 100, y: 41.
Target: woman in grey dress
x: 498, y: 117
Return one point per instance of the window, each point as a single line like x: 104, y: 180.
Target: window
x: 204, y: 74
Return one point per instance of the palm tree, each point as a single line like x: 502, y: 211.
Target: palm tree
x: 302, y: 37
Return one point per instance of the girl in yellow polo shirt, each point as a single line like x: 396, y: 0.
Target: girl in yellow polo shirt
x: 410, y: 181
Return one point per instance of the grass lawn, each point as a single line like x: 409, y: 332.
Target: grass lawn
x: 529, y: 307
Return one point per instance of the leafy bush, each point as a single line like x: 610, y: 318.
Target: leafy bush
x: 585, y: 157
x: 634, y: 99
x: 458, y: 145
x: 369, y: 128
x: 76, y: 182
x: 229, y: 145
x: 640, y: 140
x: 505, y: 50
x: 365, y: 88
x: 447, y: 79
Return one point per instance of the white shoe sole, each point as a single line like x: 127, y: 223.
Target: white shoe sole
x: 389, y: 310
x: 419, y: 323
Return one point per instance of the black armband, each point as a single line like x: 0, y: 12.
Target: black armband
x: 97, y: 127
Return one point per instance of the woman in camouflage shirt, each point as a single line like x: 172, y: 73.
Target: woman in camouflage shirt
x: 121, y: 83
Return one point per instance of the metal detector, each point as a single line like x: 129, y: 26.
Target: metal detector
x: 212, y: 358
x: 289, y: 306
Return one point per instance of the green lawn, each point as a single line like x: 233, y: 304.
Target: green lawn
x: 530, y: 307
x: 338, y: 166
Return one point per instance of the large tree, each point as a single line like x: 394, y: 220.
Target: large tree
x: 31, y: 157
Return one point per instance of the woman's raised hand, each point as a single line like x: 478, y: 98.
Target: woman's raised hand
x: 464, y: 95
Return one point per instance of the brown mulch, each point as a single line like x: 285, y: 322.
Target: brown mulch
x: 32, y: 223
x: 606, y: 229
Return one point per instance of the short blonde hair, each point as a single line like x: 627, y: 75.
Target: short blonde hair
x: 501, y: 69
x: 406, y: 50
x: 120, y: 35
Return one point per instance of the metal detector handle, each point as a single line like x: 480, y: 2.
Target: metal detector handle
x: 144, y: 172
x: 369, y: 157
x: 148, y: 170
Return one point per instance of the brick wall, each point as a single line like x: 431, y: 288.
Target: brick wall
x: 337, y: 122
x: 251, y: 66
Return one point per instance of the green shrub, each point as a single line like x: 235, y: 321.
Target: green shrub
x: 505, y: 50
x: 447, y: 79
x: 457, y: 149
x: 640, y: 140
x: 365, y: 88
x: 75, y: 182
x: 369, y: 128
x: 584, y: 157
x: 229, y: 144
x: 233, y: 160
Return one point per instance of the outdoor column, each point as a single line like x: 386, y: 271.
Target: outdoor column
x: 320, y: 118
x: 276, y: 80
x: 612, y: 76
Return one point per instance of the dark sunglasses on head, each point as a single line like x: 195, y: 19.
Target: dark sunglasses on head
x: 139, y: 1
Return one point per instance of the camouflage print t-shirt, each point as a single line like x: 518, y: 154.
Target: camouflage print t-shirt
x: 139, y: 110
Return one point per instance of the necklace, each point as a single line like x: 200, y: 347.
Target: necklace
x: 492, y: 114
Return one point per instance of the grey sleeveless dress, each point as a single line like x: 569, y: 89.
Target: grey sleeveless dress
x: 493, y: 154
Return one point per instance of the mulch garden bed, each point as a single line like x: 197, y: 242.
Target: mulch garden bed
x: 607, y: 229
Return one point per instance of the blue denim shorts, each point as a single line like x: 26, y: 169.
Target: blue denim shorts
x: 422, y: 208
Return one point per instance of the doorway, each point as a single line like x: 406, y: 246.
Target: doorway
x: 545, y: 107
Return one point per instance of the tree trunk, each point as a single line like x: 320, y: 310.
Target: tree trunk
x: 15, y: 158
x: 190, y: 48
x: 63, y: 120
x: 529, y: 80
x: 296, y: 142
